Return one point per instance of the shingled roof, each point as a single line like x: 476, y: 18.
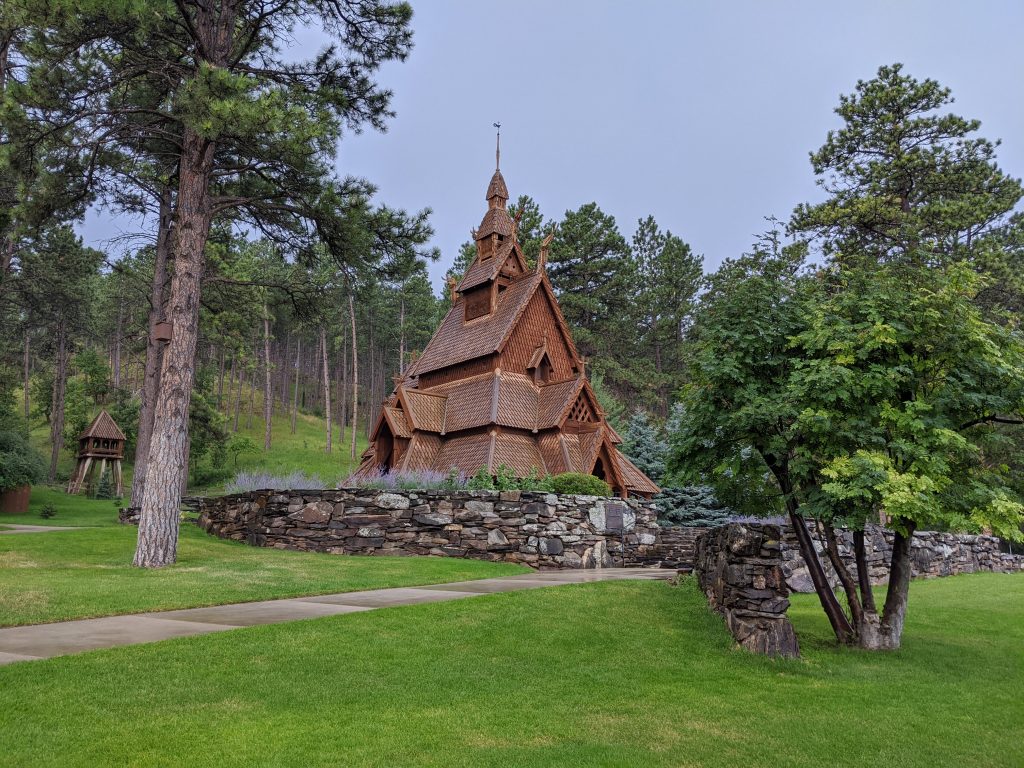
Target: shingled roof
x: 104, y: 427
x: 452, y: 344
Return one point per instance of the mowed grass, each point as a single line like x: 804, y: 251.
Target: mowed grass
x: 607, y: 674
x: 64, y: 575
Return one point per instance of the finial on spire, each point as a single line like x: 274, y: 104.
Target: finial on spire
x: 497, y: 147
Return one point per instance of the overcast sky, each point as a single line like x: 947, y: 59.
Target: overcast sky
x: 699, y: 113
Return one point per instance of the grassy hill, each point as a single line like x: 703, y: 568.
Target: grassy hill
x: 303, y: 451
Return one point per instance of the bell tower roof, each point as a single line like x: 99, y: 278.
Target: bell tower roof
x: 497, y: 190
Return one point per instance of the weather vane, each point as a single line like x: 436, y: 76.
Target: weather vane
x: 497, y: 147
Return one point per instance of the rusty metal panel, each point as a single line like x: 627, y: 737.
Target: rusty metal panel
x: 614, y: 514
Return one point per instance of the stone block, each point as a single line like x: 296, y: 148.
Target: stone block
x: 391, y: 501
x: 482, y: 508
x: 550, y: 546
x: 496, y: 539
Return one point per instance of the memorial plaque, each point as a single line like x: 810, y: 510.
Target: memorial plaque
x: 613, y: 516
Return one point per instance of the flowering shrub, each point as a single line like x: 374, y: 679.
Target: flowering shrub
x: 259, y: 481
x: 409, y: 480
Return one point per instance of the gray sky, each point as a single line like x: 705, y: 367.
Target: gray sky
x: 699, y: 113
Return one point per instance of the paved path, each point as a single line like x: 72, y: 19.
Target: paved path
x: 41, y: 641
x: 12, y: 528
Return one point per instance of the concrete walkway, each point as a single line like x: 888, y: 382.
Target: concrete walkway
x: 42, y: 641
x: 13, y: 528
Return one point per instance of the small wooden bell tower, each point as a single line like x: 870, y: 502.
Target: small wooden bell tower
x: 101, y: 443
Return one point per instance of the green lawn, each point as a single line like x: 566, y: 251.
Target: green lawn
x: 608, y: 674
x: 75, y: 574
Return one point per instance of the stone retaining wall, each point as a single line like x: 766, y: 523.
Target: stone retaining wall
x: 740, y: 569
x: 678, y: 545
x: 539, y: 529
x: 932, y: 554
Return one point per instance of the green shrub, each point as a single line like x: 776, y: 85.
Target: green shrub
x: 505, y: 479
x: 48, y: 511
x: 536, y: 482
x: 576, y: 483
x: 481, y: 481
x: 104, y: 488
x: 20, y: 464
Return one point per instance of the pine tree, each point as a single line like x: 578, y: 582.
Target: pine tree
x: 592, y: 271
x: 644, y: 447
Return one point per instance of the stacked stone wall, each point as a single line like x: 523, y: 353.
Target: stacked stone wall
x: 739, y: 568
x: 678, y: 546
x: 932, y: 554
x: 538, y: 529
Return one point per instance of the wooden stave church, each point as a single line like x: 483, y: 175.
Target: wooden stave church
x: 501, y: 381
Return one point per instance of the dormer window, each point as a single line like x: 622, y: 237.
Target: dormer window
x: 540, y: 365
x: 542, y: 373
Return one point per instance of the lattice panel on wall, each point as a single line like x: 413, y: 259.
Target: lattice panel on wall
x: 581, y: 410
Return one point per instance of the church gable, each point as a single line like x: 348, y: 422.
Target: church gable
x: 537, y: 328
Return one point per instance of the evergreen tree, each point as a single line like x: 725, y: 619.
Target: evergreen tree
x: 591, y: 269
x: 644, y: 447
x: 669, y: 276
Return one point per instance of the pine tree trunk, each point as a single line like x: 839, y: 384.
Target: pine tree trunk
x: 252, y: 398
x: 60, y: 380
x: 238, y: 397
x: 282, y: 377
x: 295, y: 394
x: 220, y: 381
x: 268, y: 393
x: 355, y: 373
x: 327, y: 386
x: 28, y: 378
x: 343, y: 410
x: 118, y: 333
x: 158, y: 526
x: 154, y: 349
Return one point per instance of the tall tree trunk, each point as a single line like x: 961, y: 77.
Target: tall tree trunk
x: 220, y: 380
x: 238, y: 397
x: 327, y: 386
x: 295, y: 394
x: 158, y: 526
x: 154, y: 349
x: 268, y: 392
x: 343, y: 418
x: 252, y: 398
x: 355, y: 372
x: 28, y: 377
x: 60, y: 380
x: 231, y: 384
x: 283, y: 378
x: 118, y: 333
